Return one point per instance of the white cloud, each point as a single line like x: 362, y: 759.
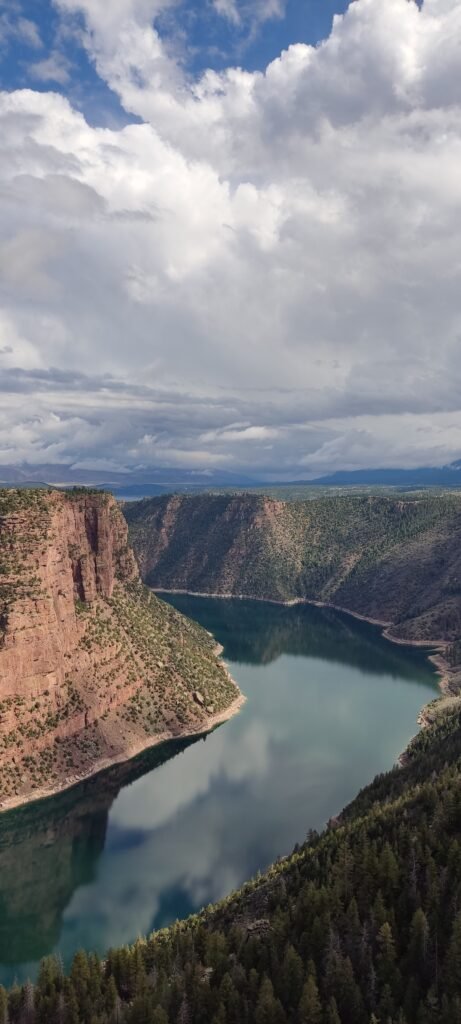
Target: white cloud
x: 249, y: 16
x: 229, y: 435
x: 228, y: 9
x: 55, y: 68
x: 15, y: 28
x: 29, y: 33
x: 278, y: 252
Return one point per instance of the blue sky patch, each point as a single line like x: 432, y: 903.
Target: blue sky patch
x: 251, y: 39
x: 39, y: 50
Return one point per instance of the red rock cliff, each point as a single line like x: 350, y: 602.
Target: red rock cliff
x: 92, y: 669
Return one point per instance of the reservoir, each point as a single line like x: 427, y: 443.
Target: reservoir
x: 330, y: 704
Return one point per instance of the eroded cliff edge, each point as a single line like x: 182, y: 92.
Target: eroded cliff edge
x: 93, y: 667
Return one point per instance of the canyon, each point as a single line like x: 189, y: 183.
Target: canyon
x: 394, y: 560
x: 360, y: 922
x: 93, y: 667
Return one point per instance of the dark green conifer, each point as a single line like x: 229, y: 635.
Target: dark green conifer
x: 310, y: 1007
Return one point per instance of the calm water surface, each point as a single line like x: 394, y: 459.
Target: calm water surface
x: 330, y: 704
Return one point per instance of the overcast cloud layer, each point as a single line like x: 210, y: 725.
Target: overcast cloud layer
x: 265, y: 272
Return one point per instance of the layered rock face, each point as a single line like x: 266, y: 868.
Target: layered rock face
x: 93, y: 668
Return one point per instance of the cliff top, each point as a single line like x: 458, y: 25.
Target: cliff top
x: 93, y: 668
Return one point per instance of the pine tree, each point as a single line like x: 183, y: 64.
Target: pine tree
x: 386, y: 955
x: 332, y: 1015
x: 388, y: 871
x: 453, y: 963
x: 419, y: 943
x: 61, y: 1008
x: 220, y: 1015
x: 111, y: 995
x: 80, y: 974
x: 184, y: 1015
x: 292, y: 975
x: 3, y: 1006
x: 159, y: 1016
x: 137, y: 971
x: 72, y: 1012
x: 141, y: 1009
x: 310, y: 1007
x: 28, y: 1004
x: 47, y: 976
x: 266, y: 1007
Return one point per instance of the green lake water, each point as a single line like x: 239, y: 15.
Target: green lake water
x: 329, y: 705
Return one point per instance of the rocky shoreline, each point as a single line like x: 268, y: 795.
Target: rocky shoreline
x: 46, y: 792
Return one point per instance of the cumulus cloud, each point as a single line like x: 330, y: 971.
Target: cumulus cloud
x: 249, y: 16
x: 263, y: 272
x: 228, y: 9
x: 15, y: 28
x: 55, y: 68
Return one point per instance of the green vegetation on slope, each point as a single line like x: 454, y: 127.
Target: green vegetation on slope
x: 17, y: 578
x: 179, y: 657
x: 361, y: 924
x: 388, y: 558
x: 162, y: 656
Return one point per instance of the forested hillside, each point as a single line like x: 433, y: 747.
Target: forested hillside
x: 392, y: 559
x: 361, y: 924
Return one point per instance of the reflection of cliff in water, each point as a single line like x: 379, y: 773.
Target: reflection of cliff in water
x: 49, y: 849
x: 257, y: 633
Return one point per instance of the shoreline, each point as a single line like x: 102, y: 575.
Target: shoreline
x: 438, y: 647
x: 132, y: 752
x: 436, y: 658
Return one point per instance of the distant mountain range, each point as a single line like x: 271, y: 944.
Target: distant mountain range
x: 147, y: 481
x: 150, y: 481
x: 425, y: 476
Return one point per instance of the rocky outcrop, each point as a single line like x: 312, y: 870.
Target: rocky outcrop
x: 93, y: 668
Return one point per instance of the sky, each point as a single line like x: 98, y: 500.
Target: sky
x: 230, y: 234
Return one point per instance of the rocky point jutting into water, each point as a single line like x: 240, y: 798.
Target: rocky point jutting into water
x: 93, y: 668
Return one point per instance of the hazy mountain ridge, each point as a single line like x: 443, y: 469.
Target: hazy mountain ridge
x: 69, y: 474
x: 149, y: 481
x: 423, y: 476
